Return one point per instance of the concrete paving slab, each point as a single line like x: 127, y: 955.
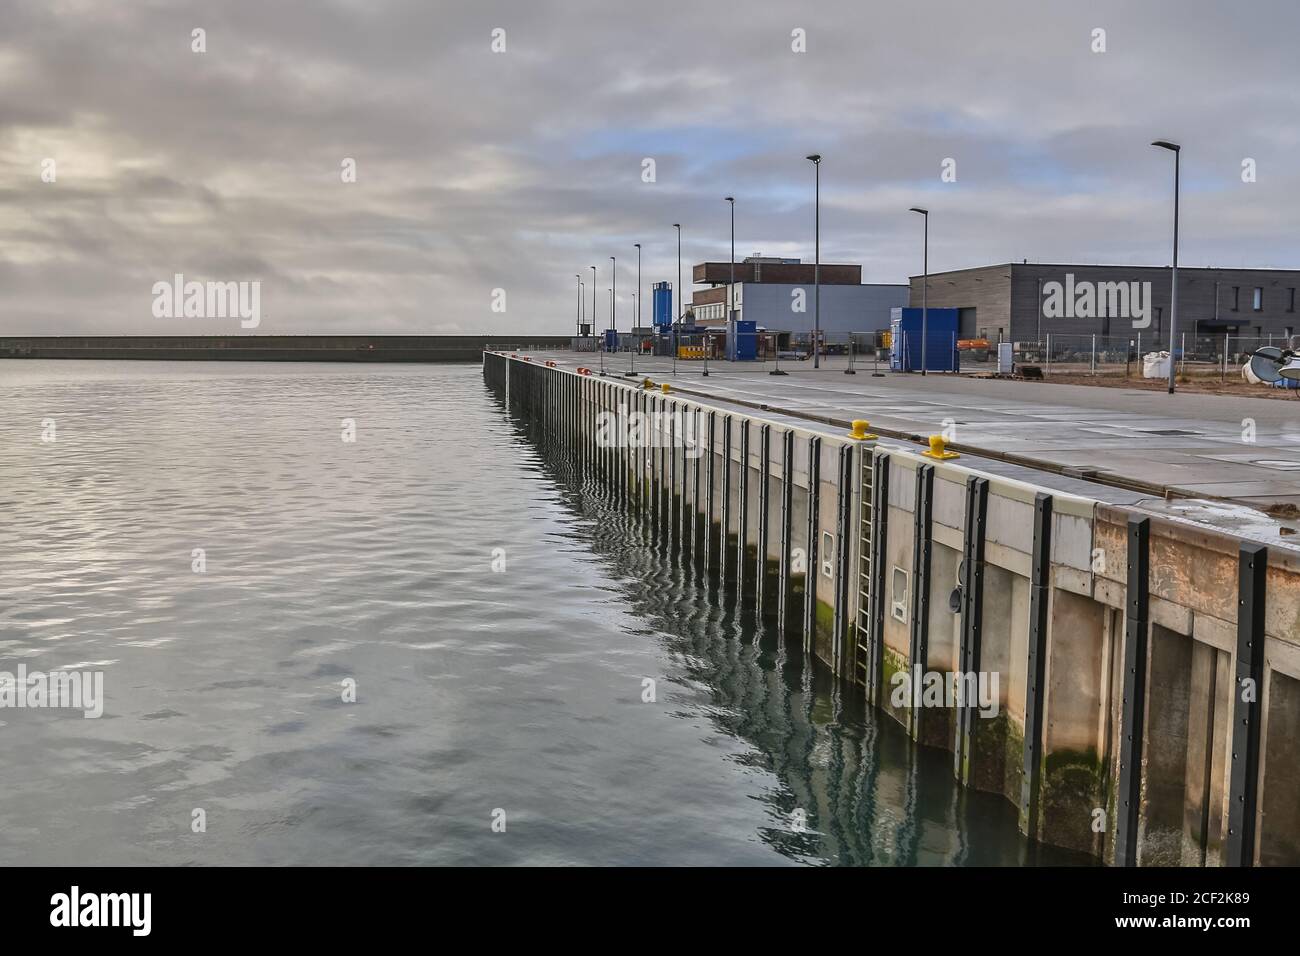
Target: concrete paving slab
x: 1184, y: 442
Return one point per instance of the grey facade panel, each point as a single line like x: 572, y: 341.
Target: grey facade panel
x: 1006, y: 300
x: 844, y: 308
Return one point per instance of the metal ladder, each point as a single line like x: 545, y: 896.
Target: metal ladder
x: 862, y: 636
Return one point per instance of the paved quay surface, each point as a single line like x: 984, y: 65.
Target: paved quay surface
x: 1184, y: 445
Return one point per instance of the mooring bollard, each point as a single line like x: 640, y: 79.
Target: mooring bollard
x: 938, y: 450
x: 859, y: 432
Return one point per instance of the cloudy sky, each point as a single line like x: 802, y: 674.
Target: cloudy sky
x: 479, y: 170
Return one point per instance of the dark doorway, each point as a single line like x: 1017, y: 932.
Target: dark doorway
x: 967, y: 324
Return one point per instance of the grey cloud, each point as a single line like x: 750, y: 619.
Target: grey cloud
x: 479, y: 171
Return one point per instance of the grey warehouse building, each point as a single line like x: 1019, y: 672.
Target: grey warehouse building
x: 778, y: 295
x: 1024, y: 302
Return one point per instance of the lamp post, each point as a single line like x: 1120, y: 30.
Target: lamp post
x: 632, y: 339
x: 578, y: 276
x: 638, y: 284
x: 731, y: 305
x: 681, y: 300
x: 816, y: 160
x: 925, y: 284
x: 636, y: 308
x: 611, y: 322
x: 613, y: 298
x: 1173, y: 291
x: 1038, y: 333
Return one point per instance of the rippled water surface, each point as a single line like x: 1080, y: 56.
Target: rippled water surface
x: 476, y: 690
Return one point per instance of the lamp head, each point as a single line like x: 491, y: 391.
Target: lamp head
x: 1165, y: 144
x: 815, y: 157
x: 923, y: 212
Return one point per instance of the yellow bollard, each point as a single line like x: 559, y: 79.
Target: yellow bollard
x: 937, y: 449
x: 647, y: 384
x: 860, y: 426
x: 664, y: 387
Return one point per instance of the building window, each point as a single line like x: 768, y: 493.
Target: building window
x: 1290, y: 301
x: 1257, y: 301
x: 1236, y: 298
x: 1159, y: 315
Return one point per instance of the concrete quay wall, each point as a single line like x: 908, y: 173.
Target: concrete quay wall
x: 1141, y: 671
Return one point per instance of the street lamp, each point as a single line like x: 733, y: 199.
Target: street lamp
x: 578, y: 276
x: 636, y: 303
x: 611, y: 322
x: 731, y: 305
x: 1173, y: 292
x: 613, y: 298
x: 632, y: 339
x: 1039, y: 331
x: 816, y: 160
x: 681, y: 301
x: 593, y: 300
x: 925, y: 284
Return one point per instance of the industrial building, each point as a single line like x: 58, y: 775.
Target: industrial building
x: 1024, y: 302
x: 778, y: 295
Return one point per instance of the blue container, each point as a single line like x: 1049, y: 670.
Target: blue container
x: 745, y: 342
x: 611, y: 340
x: 941, y: 353
x: 663, y: 305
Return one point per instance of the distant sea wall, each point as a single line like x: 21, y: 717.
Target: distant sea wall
x: 274, y: 348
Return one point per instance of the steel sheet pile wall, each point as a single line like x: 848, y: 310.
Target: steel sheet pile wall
x: 1131, y: 683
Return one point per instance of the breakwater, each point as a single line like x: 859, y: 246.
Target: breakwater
x: 271, y: 348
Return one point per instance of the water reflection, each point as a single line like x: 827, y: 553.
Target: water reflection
x: 853, y: 790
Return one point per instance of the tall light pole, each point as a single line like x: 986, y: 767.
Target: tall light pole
x: 578, y: 276
x: 633, y: 323
x: 1173, y: 292
x: 1038, y: 334
x: 613, y: 298
x: 593, y: 300
x: 636, y: 303
x: 731, y: 306
x: 816, y: 160
x: 638, y: 284
x: 681, y: 300
x: 925, y: 284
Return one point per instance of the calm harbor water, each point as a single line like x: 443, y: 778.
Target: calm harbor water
x: 477, y: 690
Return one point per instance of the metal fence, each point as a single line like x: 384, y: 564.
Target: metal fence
x: 1056, y: 355
x: 1220, y: 356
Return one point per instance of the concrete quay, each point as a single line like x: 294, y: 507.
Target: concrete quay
x: 1187, y: 445
x: 1142, y: 649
